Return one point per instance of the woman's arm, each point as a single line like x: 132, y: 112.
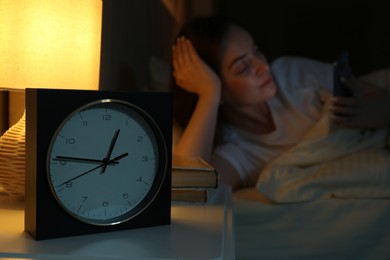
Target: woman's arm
x: 195, y: 76
x: 368, y: 107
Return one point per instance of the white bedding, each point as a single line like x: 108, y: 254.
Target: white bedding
x: 331, y: 162
x: 321, y: 229
x: 326, y: 198
x: 333, y: 166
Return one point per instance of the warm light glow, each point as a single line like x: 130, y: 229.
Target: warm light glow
x: 50, y: 43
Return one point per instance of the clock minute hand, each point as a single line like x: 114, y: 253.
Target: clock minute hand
x: 113, y: 161
x: 110, y: 149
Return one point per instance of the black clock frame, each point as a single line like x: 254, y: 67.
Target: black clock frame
x: 45, y: 111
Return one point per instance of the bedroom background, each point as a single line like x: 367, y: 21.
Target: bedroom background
x: 137, y: 36
x: 136, y: 43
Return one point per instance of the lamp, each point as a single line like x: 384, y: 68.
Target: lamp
x: 44, y: 44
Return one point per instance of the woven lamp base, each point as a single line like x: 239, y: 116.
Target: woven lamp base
x: 12, y: 159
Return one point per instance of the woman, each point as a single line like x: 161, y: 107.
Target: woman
x: 238, y: 111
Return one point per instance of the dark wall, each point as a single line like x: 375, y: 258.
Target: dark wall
x: 137, y: 31
x: 319, y: 30
x: 133, y: 31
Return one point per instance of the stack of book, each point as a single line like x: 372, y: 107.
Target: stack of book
x: 193, y: 180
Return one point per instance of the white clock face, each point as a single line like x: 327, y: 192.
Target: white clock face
x: 103, y: 162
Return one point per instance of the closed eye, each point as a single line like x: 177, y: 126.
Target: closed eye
x: 243, y: 67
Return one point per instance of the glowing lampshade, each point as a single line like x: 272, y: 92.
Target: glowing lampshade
x: 50, y: 43
x: 45, y: 44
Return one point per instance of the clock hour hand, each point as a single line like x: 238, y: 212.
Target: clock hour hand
x: 110, y: 149
x: 116, y: 159
x: 80, y: 159
x: 113, y: 161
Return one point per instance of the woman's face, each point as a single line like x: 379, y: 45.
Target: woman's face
x: 245, y: 72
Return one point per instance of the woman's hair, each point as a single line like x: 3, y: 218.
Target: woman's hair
x: 207, y: 35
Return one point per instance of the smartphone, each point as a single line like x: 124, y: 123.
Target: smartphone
x: 341, y: 69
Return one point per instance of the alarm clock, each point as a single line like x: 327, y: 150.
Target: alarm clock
x: 96, y: 161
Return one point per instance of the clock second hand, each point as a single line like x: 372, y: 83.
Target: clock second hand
x: 112, y: 161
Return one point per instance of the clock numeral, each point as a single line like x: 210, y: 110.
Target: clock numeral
x: 145, y: 158
x: 69, y: 185
x: 125, y: 195
x: 85, y: 123
x: 141, y: 180
x: 107, y: 117
x: 70, y: 141
x: 105, y: 204
x: 140, y: 139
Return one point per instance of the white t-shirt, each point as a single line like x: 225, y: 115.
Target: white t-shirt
x: 295, y: 108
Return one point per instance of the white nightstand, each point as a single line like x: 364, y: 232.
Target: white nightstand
x: 196, y: 231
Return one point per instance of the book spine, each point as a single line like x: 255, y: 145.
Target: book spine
x: 190, y: 195
x: 187, y: 180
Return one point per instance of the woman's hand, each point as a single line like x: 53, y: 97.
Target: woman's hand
x: 194, y: 75
x: 368, y: 107
x: 191, y: 72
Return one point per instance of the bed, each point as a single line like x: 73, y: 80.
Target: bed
x: 328, y: 203
x: 319, y: 229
